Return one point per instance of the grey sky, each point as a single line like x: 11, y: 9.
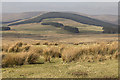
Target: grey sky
x: 82, y: 7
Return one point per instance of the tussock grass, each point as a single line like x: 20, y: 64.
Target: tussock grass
x: 91, y: 53
x: 45, y: 43
x: 11, y: 60
x: 17, y: 47
x: 28, y: 54
x: 31, y: 57
x: 47, y: 54
x: 52, y: 52
x: 37, y: 43
x: 37, y: 50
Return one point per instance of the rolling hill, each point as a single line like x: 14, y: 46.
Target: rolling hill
x: 49, y: 30
x: 12, y: 17
x: 108, y: 27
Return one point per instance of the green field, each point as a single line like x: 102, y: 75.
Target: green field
x: 59, y: 69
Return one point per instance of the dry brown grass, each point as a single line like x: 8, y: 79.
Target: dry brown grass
x: 27, y: 54
x: 31, y: 58
x: 37, y: 50
x: 91, y: 53
x: 51, y: 52
x: 11, y: 59
x: 17, y: 47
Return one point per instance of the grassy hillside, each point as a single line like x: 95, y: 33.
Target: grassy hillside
x: 8, y: 17
x: 75, y: 17
x: 108, y: 27
x: 37, y: 28
x: 83, y: 28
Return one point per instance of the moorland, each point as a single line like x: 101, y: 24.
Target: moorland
x: 59, y: 47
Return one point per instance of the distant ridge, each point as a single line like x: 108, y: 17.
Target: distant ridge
x: 9, y: 17
x: 108, y: 27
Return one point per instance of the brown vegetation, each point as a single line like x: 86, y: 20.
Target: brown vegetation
x: 91, y: 53
x: 10, y: 60
x: 28, y: 54
x: 17, y: 47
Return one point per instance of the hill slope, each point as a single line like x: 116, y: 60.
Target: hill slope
x: 11, y: 17
x: 107, y: 18
x: 108, y: 27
